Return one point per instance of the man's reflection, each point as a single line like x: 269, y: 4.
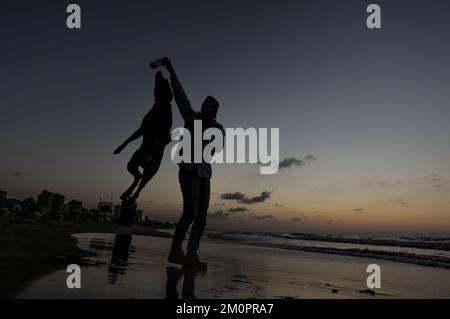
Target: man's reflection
x: 174, y: 275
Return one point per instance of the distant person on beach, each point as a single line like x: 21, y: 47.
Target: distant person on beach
x: 194, y: 178
x: 155, y: 131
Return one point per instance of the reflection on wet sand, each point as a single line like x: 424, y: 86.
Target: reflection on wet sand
x: 137, y: 267
x: 119, y: 258
x: 122, y: 251
x: 174, y: 274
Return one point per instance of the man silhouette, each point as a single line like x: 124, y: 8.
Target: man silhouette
x: 194, y: 178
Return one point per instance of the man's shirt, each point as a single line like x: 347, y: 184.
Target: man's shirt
x: 189, y: 116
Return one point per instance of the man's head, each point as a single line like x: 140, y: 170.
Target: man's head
x: 162, y: 92
x: 210, y: 107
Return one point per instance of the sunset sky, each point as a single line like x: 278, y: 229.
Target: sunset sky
x: 364, y: 113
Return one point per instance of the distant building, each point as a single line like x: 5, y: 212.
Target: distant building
x: 3, y: 195
x: 105, y: 212
x: 58, y: 202
x: 13, y: 205
x: 49, y: 201
x: 93, y: 212
x: 105, y: 207
x: 29, y: 207
x: 74, y: 207
x: 44, y: 199
x: 116, y: 211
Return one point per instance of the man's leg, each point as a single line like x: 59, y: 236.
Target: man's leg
x: 190, y: 188
x: 199, y: 224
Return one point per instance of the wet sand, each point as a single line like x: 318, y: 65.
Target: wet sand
x: 136, y: 267
x: 30, y: 249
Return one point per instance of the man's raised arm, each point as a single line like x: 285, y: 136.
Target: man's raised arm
x: 184, y: 105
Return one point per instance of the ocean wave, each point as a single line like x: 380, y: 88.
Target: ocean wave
x: 415, y: 251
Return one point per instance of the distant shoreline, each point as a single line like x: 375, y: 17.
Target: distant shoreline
x: 369, y: 249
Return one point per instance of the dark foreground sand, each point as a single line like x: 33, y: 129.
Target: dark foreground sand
x: 34, y: 257
x: 136, y: 267
x: 30, y: 249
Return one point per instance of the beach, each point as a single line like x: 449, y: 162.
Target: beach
x: 116, y: 264
x: 30, y: 248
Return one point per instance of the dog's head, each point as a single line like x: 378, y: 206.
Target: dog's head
x: 162, y: 92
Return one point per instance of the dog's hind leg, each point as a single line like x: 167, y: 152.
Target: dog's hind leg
x: 149, y: 172
x: 133, y: 168
x: 129, y: 191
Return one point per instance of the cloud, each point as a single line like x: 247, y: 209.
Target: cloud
x: 219, y: 214
x: 296, y: 219
x: 18, y: 174
x: 290, y: 162
x: 261, y: 217
x: 244, y: 199
x: 396, y: 201
x: 238, y: 210
x: 394, y: 183
x: 310, y: 158
x: 232, y: 196
x: 13, y: 173
x: 358, y: 210
x: 256, y: 199
x: 435, y: 178
x: 296, y: 162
